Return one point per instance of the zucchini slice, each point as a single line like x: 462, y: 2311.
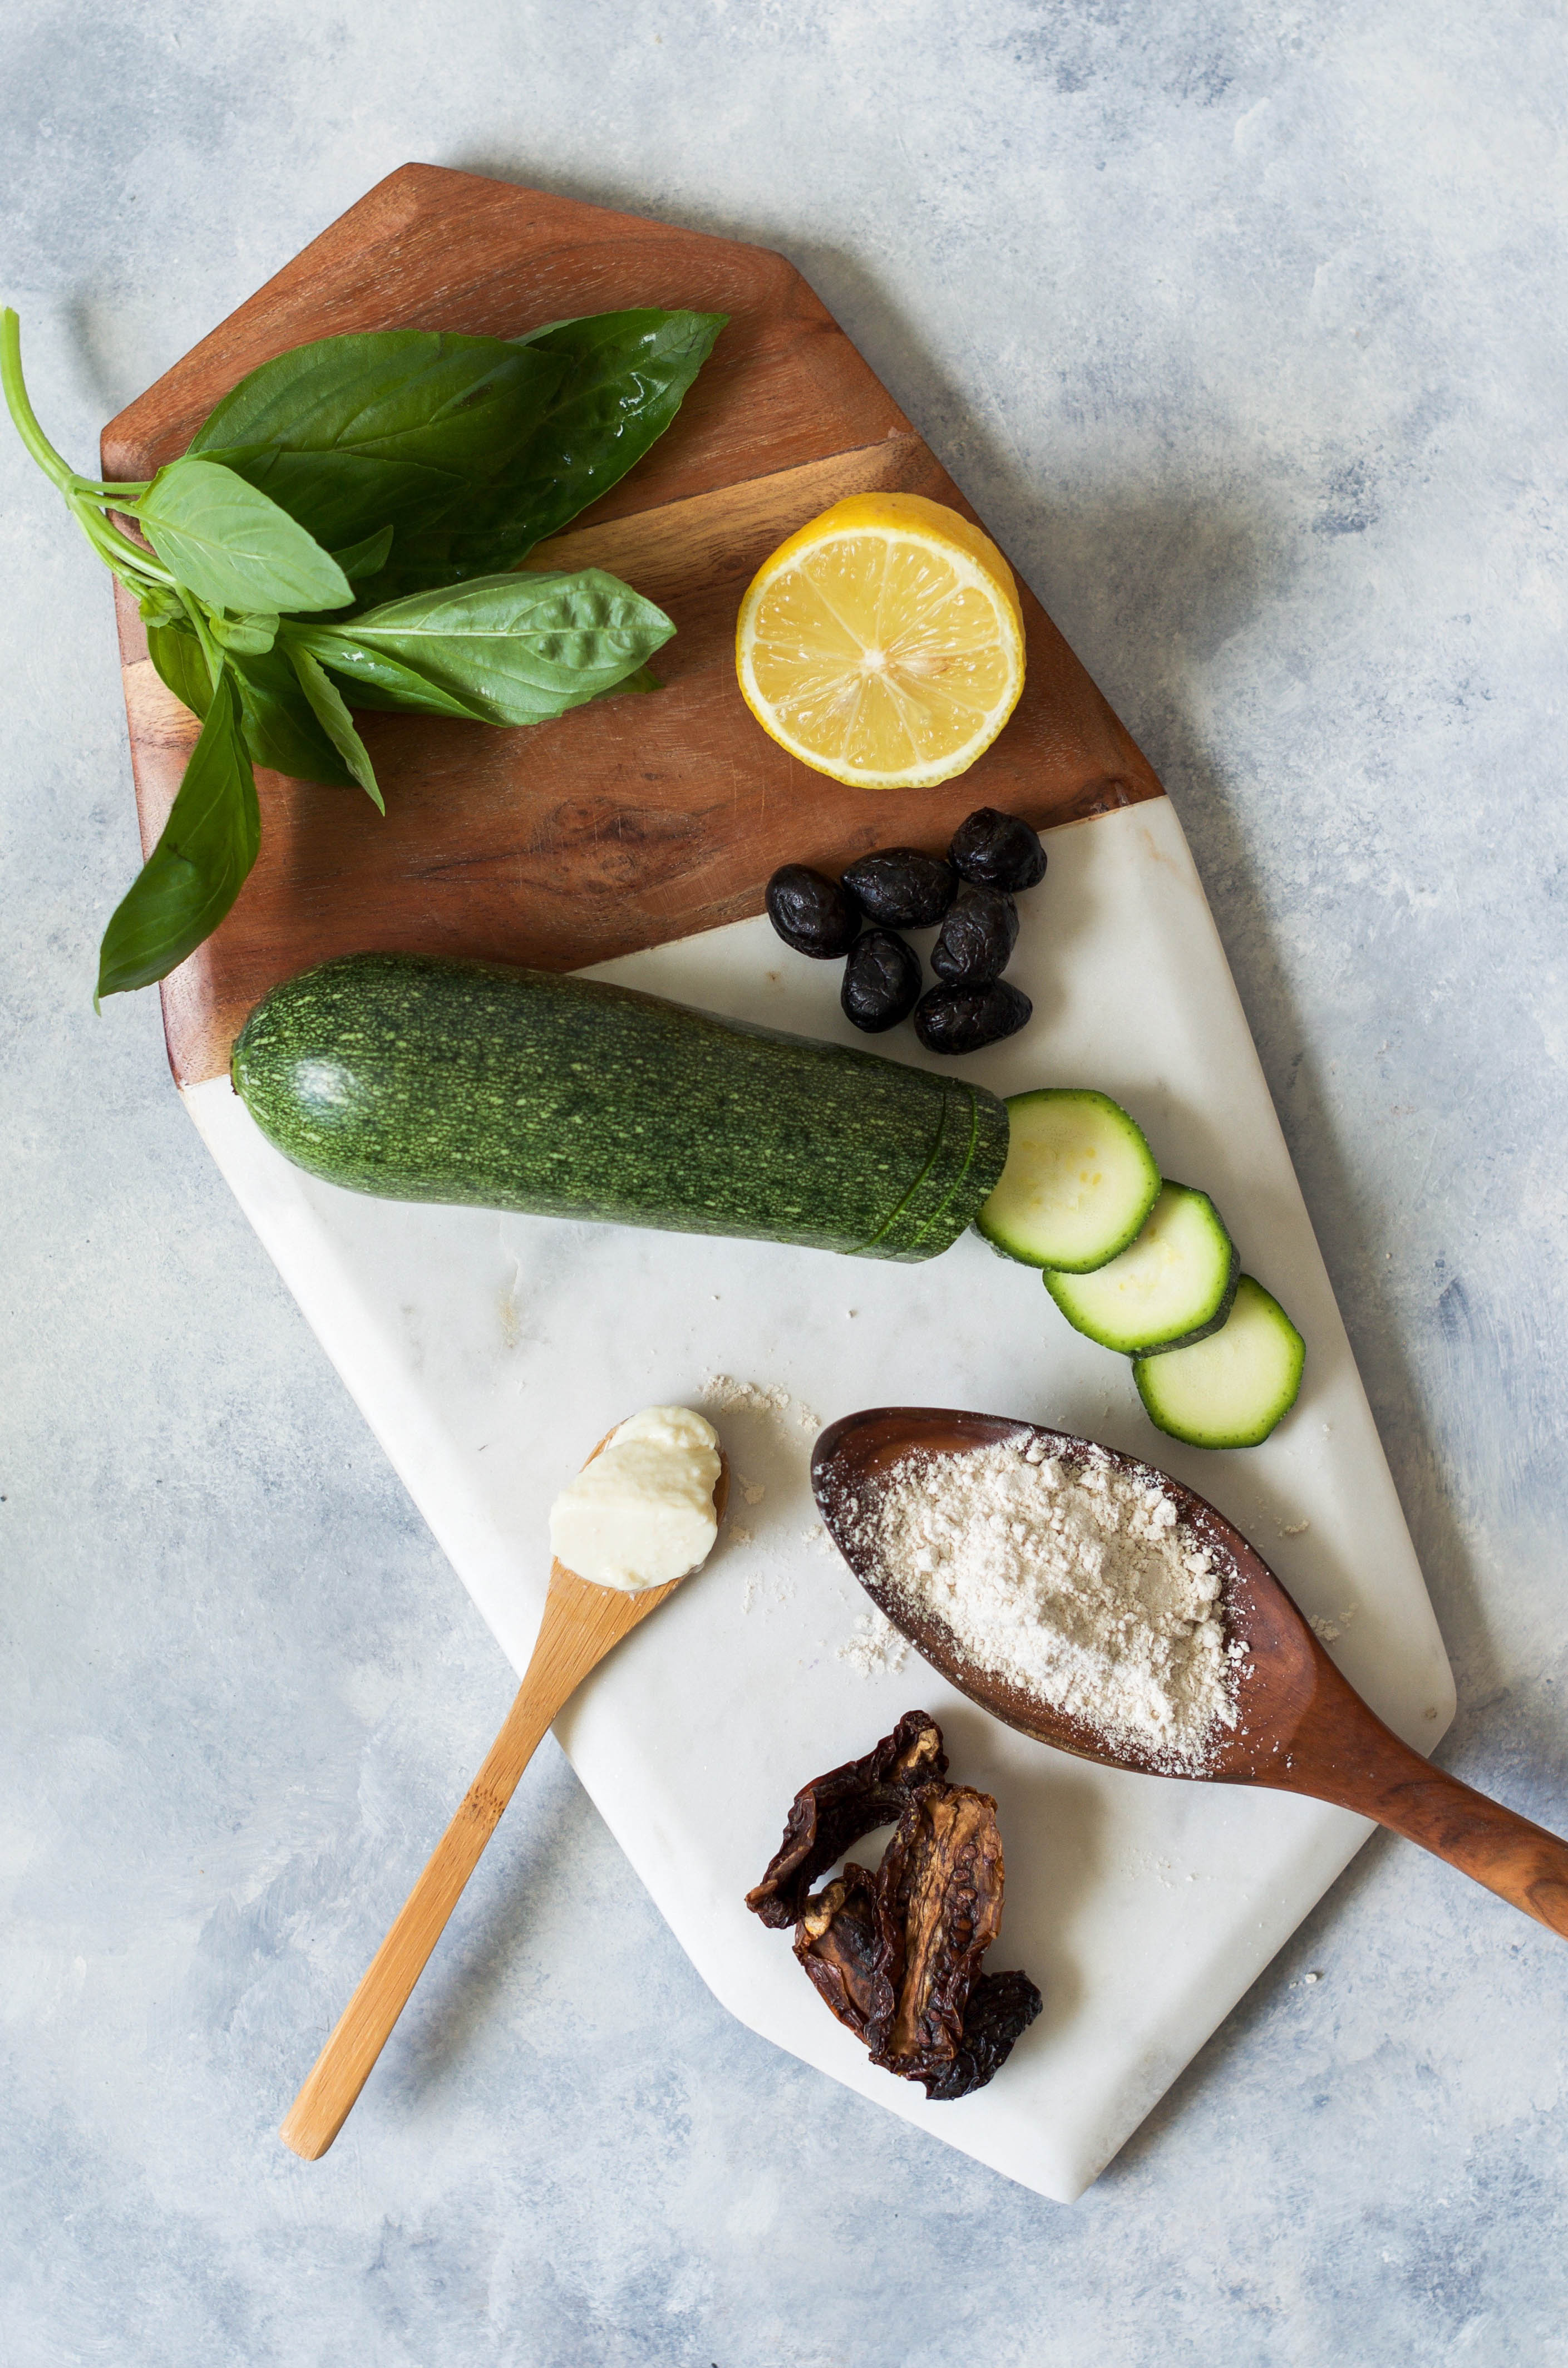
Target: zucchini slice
x: 1172, y: 1288
x: 1232, y: 1389
x: 1078, y: 1183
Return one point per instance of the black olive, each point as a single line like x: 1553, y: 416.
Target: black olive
x: 901, y: 887
x: 882, y: 981
x: 997, y: 851
x: 962, y: 1018
x: 812, y: 912
x: 977, y: 938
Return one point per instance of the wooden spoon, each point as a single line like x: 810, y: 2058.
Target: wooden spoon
x: 582, y: 1622
x: 1303, y: 1727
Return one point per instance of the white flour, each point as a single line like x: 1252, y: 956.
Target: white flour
x: 1074, y: 1582
x: 731, y: 1396
x: 874, y: 1647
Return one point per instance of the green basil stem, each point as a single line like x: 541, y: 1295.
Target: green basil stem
x: 203, y: 633
x: 86, y: 498
x: 129, y: 560
x: 104, y: 489
x: 23, y: 417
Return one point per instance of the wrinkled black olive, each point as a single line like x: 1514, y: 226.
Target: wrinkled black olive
x: 997, y: 851
x: 882, y: 981
x: 963, y: 1018
x: 976, y: 940
x: 901, y: 888
x: 812, y: 912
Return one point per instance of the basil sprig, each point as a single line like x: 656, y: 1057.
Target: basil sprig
x: 345, y: 527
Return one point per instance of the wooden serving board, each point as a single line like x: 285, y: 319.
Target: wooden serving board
x: 635, y: 821
x: 486, y: 1352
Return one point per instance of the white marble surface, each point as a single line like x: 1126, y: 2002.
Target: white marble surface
x: 1245, y: 328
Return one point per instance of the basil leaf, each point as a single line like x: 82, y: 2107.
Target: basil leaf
x: 179, y: 665
x: 231, y: 546
x: 366, y: 558
x: 644, y: 680
x: 159, y: 605
x: 199, y: 864
x: 280, y: 727
x: 327, y: 704
x: 513, y: 649
x: 282, y: 730
x: 624, y: 375
x: 379, y: 680
x: 393, y: 425
x: 248, y: 636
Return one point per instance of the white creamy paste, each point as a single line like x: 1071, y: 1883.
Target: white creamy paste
x: 642, y: 1513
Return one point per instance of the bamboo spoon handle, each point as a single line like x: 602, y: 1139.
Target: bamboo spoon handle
x: 1520, y: 1862
x: 582, y: 1622
x: 562, y: 1657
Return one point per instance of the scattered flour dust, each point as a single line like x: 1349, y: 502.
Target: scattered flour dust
x: 875, y: 1648
x: 1075, y: 1581
x: 730, y: 1397
x: 723, y: 1391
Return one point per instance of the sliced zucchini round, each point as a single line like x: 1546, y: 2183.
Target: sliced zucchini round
x: 1078, y: 1184
x: 1170, y: 1289
x: 1230, y: 1390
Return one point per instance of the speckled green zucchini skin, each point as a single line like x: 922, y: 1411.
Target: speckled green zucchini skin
x: 427, y: 1080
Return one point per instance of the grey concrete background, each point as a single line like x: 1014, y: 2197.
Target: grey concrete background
x: 1245, y: 327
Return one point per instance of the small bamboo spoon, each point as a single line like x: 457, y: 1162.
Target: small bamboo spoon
x: 1303, y: 1727
x: 582, y: 1622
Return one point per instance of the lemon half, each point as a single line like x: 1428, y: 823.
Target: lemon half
x: 883, y: 643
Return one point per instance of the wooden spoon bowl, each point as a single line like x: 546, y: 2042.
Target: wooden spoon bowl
x: 1302, y: 1727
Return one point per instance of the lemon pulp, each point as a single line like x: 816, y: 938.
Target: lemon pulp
x: 883, y: 644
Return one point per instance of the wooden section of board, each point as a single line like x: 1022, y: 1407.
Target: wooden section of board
x: 640, y: 818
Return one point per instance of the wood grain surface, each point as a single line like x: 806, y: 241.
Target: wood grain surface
x: 639, y: 819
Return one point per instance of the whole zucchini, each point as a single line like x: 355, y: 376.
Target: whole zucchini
x: 428, y: 1080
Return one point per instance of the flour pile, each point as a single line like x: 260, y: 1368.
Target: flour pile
x: 1074, y: 1582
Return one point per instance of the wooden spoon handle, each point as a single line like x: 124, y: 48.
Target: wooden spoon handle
x: 342, y: 2068
x: 1520, y: 1862
x: 580, y: 1624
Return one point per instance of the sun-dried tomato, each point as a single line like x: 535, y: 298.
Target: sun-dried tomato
x: 940, y: 1896
x: 839, y: 1941
x: 830, y: 1813
x: 1001, y: 2008
x: 896, y: 1955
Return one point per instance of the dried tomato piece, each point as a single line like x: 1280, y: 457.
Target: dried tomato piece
x: 830, y: 1814
x: 940, y: 1889
x: 895, y: 1955
x: 1000, y: 2009
x: 839, y: 1941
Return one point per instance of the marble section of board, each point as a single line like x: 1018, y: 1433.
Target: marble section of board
x: 488, y: 1352
x: 1245, y: 328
